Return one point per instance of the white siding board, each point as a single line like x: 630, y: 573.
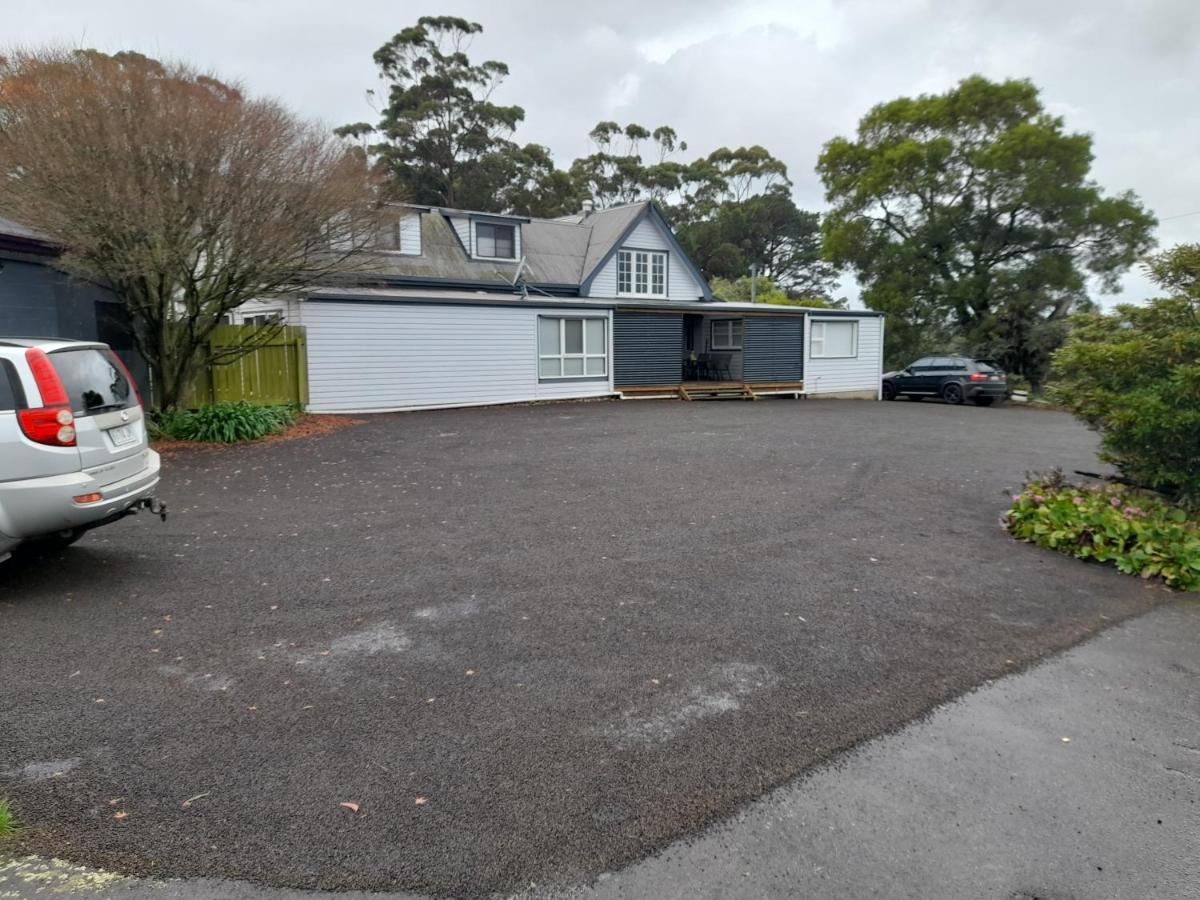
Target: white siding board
x: 379, y: 356
x: 647, y: 235
x: 463, y: 227
x: 861, y: 373
x: 410, y: 233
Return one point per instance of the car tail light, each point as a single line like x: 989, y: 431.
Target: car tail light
x: 120, y: 364
x: 52, y: 423
x: 978, y: 376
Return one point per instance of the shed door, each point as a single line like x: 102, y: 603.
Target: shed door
x: 647, y: 348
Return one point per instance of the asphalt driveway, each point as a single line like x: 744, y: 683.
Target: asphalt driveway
x: 529, y: 644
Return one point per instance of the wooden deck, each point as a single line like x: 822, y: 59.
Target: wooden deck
x: 713, y: 390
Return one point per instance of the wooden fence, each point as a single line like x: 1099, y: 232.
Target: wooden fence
x: 275, y: 372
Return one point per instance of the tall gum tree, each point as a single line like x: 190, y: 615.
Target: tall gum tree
x: 172, y: 188
x: 971, y: 218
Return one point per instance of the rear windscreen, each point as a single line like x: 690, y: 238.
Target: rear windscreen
x: 985, y: 367
x: 93, y: 381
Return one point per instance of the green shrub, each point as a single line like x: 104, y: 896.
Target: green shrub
x: 1136, y: 531
x: 8, y: 822
x: 1134, y: 376
x: 224, y: 423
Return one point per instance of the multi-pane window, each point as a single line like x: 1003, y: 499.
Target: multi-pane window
x: 641, y: 273
x: 572, y: 347
x: 726, y: 334
x: 835, y: 340
x: 495, y: 241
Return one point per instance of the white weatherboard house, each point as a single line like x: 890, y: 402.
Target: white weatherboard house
x: 469, y: 308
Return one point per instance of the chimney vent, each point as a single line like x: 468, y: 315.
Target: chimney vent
x: 588, y: 206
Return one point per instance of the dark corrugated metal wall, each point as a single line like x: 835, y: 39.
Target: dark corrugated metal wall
x: 773, y: 348
x: 647, y: 349
x: 40, y: 301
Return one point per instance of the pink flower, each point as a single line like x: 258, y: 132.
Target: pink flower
x: 1039, y: 499
x: 1078, y: 501
x: 1016, y: 498
x: 1115, y: 502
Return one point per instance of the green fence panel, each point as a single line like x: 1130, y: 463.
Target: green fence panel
x: 274, y: 371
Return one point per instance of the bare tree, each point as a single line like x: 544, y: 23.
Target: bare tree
x: 177, y: 191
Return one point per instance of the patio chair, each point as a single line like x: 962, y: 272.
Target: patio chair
x: 720, y: 365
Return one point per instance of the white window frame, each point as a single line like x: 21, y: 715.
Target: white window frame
x: 817, y: 337
x: 730, y: 344
x: 516, y: 240
x: 563, y: 355
x: 635, y: 263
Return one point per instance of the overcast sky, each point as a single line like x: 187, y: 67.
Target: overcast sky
x: 787, y: 75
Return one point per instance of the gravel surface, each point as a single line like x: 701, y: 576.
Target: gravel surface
x: 529, y: 644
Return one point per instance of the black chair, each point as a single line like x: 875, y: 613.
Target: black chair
x: 720, y: 365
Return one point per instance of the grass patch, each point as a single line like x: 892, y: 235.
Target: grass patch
x: 8, y: 821
x: 223, y: 423
x: 1138, y: 532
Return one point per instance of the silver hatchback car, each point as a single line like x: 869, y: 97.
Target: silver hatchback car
x: 74, y: 453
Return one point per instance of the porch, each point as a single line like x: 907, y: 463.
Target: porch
x: 725, y: 354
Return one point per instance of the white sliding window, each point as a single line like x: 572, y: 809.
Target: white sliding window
x: 832, y: 339
x: 572, y: 347
x: 726, y: 334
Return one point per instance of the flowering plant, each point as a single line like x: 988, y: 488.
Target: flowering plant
x: 1137, y: 532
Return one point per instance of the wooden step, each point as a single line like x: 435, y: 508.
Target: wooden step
x: 717, y: 392
x: 651, y: 392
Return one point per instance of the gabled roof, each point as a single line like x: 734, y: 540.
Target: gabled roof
x: 608, y: 228
x: 560, y: 254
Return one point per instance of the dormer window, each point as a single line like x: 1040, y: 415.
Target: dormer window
x: 641, y: 273
x: 495, y: 241
x: 400, y: 235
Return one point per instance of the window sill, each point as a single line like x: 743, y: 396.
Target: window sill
x: 814, y: 356
x: 552, y: 379
x: 507, y: 259
x: 621, y: 296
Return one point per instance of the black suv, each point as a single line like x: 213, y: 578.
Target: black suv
x: 953, y: 378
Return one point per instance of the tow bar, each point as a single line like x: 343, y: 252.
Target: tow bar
x: 153, y: 505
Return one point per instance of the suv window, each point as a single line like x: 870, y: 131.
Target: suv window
x: 921, y: 364
x: 981, y: 366
x: 94, y: 381
x: 12, y: 397
x: 958, y: 365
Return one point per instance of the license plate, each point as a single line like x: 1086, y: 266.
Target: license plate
x: 122, y: 435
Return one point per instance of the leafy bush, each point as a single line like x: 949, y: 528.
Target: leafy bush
x: 224, y: 423
x: 8, y: 822
x: 1138, y: 532
x: 1134, y: 375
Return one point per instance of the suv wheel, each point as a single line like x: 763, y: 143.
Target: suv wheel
x: 952, y: 393
x: 889, y: 391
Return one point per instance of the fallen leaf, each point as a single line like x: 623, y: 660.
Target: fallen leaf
x: 120, y: 815
x: 186, y: 804
x: 1066, y: 740
x: 470, y: 671
x: 99, y: 699
x: 115, y: 801
x: 353, y: 807
x: 421, y: 801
